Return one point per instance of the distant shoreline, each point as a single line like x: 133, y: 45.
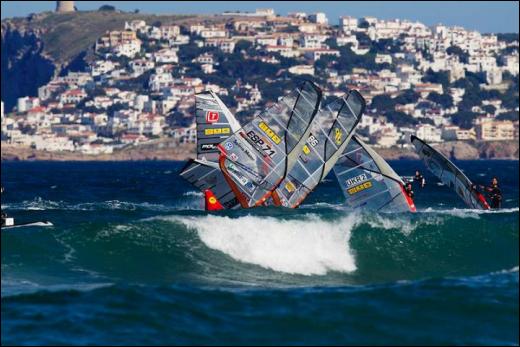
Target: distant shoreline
x: 503, y: 150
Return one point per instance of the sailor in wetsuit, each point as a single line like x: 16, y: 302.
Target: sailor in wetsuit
x: 419, y: 178
x: 408, y: 190
x: 494, y: 193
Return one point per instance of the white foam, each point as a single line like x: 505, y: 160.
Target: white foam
x: 307, y: 246
x: 404, y: 224
x: 42, y: 205
x: 193, y: 193
x: 467, y: 212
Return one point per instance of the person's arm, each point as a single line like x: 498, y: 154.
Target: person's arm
x: 487, y: 189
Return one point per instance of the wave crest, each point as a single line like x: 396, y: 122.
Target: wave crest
x: 307, y: 246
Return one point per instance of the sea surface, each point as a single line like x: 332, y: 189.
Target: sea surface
x: 133, y: 259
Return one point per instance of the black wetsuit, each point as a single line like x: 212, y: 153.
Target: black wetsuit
x: 419, y: 179
x: 495, y: 195
x: 409, y: 192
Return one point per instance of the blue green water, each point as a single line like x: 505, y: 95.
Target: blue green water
x: 133, y: 259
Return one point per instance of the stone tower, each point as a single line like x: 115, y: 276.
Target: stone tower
x: 64, y: 6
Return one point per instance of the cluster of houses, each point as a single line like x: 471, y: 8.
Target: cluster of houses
x: 102, y: 109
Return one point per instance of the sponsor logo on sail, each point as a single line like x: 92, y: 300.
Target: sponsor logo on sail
x: 338, y: 136
x: 217, y: 131
x: 269, y: 132
x: 239, y: 177
x: 245, y: 150
x: 228, y: 146
x: 359, y: 188
x: 289, y: 186
x: 212, y: 116
x: 208, y: 147
x: 356, y: 180
x: 260, y: 144
x: 313, y: 141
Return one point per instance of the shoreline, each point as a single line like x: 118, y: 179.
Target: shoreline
x: 499, y: 150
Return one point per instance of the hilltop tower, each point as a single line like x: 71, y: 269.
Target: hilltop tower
x: 64, y: 6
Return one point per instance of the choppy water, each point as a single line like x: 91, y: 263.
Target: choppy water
x: 133, y: 259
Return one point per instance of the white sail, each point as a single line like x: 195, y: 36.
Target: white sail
x: 449, y: 174
x: 258, y: 157
x: 368, y: 181
x: 332, y: 129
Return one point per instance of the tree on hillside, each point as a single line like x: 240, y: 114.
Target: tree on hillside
x: 382, y: 103
x: 512, y: 116
x: 441, y: 77
x: 349, y: 60
x: 407, y: 97
x: 456, y: 50
x: 489, y: 109
x: 445, y: 100
x: 400, y: 119
x: 464, y: 119
x: 107, y: 8
x: 242, y: 45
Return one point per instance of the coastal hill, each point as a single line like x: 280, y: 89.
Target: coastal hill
x: 37, y: 47
x: 404, y: 93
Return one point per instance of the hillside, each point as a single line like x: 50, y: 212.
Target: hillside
x: 35, y: 48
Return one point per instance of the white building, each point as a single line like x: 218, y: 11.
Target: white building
x: 128, y: 49
x: 140, y: 66
x: 26, y: 103
x: 428, y: 133
x: 348, y: 24
x: 454, y: 133
x: 166, y: 55
x: 302, y: 70
x: 494, y: 76
x: 319, y: 18
x: 316, y: 54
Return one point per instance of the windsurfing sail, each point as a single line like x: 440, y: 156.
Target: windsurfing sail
x: 449, y: 174
x: 215, y: 123
x: 368, y: 181
x: 258, y: 157
x: 206, y: 176
x: 331, y: 131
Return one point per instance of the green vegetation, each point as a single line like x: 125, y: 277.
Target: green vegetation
x: 107, y: 8
x: 441, y: 77
x: 384, y: 102
x: 464, y: 119
x: 349, y: 60
x: 400, y: 119
x: 444, y: 100
x: 508, y: 37
x: 456, y: 50
x: 513, y: 116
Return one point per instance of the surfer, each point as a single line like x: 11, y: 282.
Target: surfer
x: 409, y: 190
x: 419, y: 178
x: 494, y: 193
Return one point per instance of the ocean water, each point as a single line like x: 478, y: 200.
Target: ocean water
x: 133, y: 259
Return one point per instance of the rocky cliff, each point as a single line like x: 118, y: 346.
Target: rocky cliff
x: 25, y: 67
